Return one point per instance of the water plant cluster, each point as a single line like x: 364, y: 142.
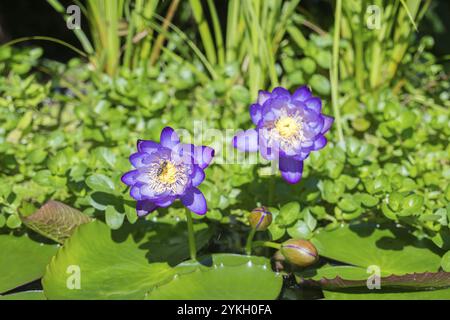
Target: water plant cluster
x: 254, y: 151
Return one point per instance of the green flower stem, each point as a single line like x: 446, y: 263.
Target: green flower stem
x: 191, y: 235
x: 271, y: 189
x: 248, y: 246
x: 268, y: 244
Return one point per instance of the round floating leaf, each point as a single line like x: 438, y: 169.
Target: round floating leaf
x: 344, y: 277
x: 26, y: 295
x: 392, y: 249
x: 442, y: 294
x: 95, y: 263
x: 225, y: 277
x: 22, y: 260
x: 55, y: 220
x: 331, y: 272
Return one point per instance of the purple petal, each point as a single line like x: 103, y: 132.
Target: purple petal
x: 135, y: 192
x: 314, y: 104
x: 327, y: 122
x: 268, y: 152
x: 255, y: 113
x: 169, y: 138
x: 145, y: 207
x: 165, y: 201
x: 263, y: 96
x: 129, y: 178
x: 140, y: 159
x: 147, y: 146
x: 190, y: 154
x: 195, y: 201
x: 280, y: 91
x: 307, y: 144
x: 302, y: 155
x: 198, y: 176
x: 275, y: 105
x: 246, y: 140
x: 320, y: 142
x: 291, y: 169
x: 203, y: 156
x: 313, y: 124
x: 302, y: 94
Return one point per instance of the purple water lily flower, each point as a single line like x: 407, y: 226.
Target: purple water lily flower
x: 288, y: 128
x: 167, y: 171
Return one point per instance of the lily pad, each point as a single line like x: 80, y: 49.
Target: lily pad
x: 94, y: 265
x: 22, y: 260
x: 392, y: 249
x: 443, y: 294
x: 26, y: 295
x: 118, y: 264
x: 343, y: 277
x: 224, y: 277
x: 328, y: 272
x: 169, y: 242
x: 55, y: 220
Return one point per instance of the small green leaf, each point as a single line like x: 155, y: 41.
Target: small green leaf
x: 320, y: 84
x: 310, y: 220
x: 289, y: 213
x: 445, y: 262
x: 348, y: 204
x: 113, y: 218
x: 300, y: 230
x: 276, y: 231
x: 366, y: 199
x: 13, y: 221
x: 100, y: 182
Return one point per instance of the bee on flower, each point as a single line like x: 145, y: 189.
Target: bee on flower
x: 166, y: 171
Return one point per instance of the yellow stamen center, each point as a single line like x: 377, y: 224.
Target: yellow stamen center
x: 287, y: 127
x: 167, y: 173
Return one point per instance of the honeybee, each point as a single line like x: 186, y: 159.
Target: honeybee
x: 162, y: 168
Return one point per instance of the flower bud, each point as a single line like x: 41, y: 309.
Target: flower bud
x: 260, y: 218
x: 299, y: 252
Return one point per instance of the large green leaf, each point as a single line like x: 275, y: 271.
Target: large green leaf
x: 107, y: 267
x: 443, y: 294
x: 120, y: 264
x: 22, y: 260
x: 393, y: 250
x: 55, y: 220
x: 331, y: 272
x: 169, y: 242
x: 343, y: 277
x: 26, y: 295
x: 227, y: 277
